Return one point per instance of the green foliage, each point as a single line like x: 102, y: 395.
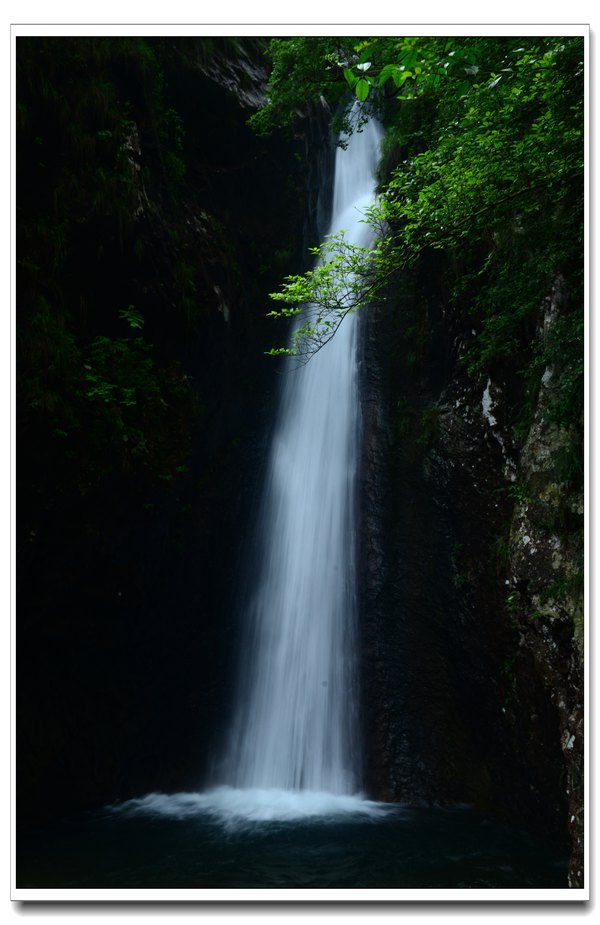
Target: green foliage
x: 95, y: 398
x: 518, y: 492
x: 324, y: 295
x: 303, y: 69
x: 564, y: 587
x: 132, y: 316
x: 119, y: 371
x: 107, y: 401
x: 405, y: 67
x: 492, y: 150
x: 483, y: 161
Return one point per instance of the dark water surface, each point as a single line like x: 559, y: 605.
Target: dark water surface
x: 416, y: 848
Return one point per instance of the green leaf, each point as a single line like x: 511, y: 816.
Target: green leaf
x: 351, y: 79
x: 132, y: 316
x: 386, y: 72
x: 400, y: 77
x: 362, y: 90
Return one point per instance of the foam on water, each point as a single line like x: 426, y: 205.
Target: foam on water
x: 240, y: 808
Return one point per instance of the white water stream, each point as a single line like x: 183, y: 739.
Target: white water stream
x: 297, y: 725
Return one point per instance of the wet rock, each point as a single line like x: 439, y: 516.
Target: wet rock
x: 472, y: 654
x: 546, y: 552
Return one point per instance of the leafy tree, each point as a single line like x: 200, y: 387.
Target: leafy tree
x: 483, y: 160
x: 302, y: 69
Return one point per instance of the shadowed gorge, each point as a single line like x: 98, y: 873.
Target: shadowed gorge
x: 280, y: 616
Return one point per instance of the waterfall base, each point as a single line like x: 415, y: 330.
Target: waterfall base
x: 236, y: 809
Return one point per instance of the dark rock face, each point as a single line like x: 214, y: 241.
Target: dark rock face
x: 125, y: 586
x: 546, y: 590
x: 427, y: 614
x: 463, y: 703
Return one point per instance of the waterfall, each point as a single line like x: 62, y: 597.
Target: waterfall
x: 293, y: 751
x: 297, y: 721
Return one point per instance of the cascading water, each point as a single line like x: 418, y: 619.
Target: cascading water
x: 294, y: 746
x: 297, y: 726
